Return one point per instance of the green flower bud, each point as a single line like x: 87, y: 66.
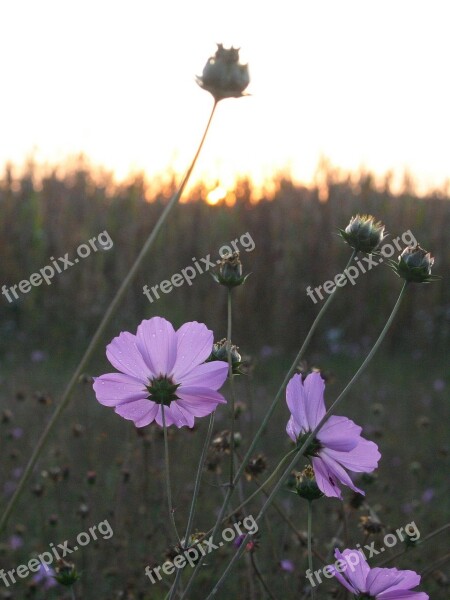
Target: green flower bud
x: 220, y: 352
x: 229, y: 273
x: 363, y: 233
x: 223, y: 76
x: 306, y: 486
x: 414, y: 264
x: 66, y: 573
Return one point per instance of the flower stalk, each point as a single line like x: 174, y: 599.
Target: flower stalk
x: 309, y: 439
x: 111, y: 310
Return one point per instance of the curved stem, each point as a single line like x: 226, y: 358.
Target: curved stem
x: 289, y: 374
x: 269, y: 414
x: 310, y: 556
x: 167, y: 469
x: 309, y: 439
x: 98, y: 334
x: 198, y: 479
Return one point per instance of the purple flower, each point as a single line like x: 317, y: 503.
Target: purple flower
x: 159, y: 366
x: 337, y: 446
x: 45, y: 576
x: 379, y: 584
x: 15, y: 542
x: 287, y: 565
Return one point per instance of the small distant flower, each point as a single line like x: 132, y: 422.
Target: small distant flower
x: 16, y: 433
x: 38, y: 356
x: 428, y: 495
x: 375, y: 584
x: 229, y: 272
x: 223, y: 76
x: 45, y: 577
x: 160, y: 366
x: 15, y: 541
x: 414, y: 264
x: 287, y: 565
x: 363, y: 233
x: 438, y: 385
x: 338, y: 445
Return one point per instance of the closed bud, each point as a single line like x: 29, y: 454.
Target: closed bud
x: 229, y: 272
x: 220, y: 352
x: 223, y: 76
x: 363, y: 233
x: 414, y: 264
x: 66, y: 573
x: 306, y: 486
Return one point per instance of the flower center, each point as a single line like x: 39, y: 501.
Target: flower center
x: 313, y: 447
x: 162, y: 390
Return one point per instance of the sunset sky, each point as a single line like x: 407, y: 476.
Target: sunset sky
x: 364, y: 83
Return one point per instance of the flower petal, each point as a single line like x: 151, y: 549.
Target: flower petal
x: 168, y: 416
x: 314, y: 387
x: 357, y: 570
x: 381, y: 580
x: 293, y: 429
x: 182, y: 416
x: 194, y: 345
x: 402, y: 595
x: 361, y: 459
x: 124, y: 355
x: 199, y: 401
x: 337, y: 471
x: 339, y: 433
x: 296, y: 401
x: 116, y: 388
x: 324, y: 479
x: 157, y: 342
x: 208, y: 375
x: 141, y: 412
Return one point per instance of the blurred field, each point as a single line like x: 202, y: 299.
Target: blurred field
x: 401, y: 401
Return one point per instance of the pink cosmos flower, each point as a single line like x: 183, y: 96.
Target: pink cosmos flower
x: 159, y: 366
x: 377, y: 583
x: 338, y: 444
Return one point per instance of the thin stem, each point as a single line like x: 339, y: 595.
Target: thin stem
x: 231, y: 380
x: 72, y: 593
x: 198, y: 479
x: 268, y: 415
x: 110, y: 311
x: 310, y: 556
x: 260, y: 577
x: 167, y: 470
x: 309, y: 439
x: 419, y: 543
x: 289, y: 374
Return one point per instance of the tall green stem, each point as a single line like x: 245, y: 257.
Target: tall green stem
x: 98, y: 334
x: 232, y: 392
x: 198, y: 479
x: 310, y: 556
x: 267, y: 417
x: 309, y: 439
x: 167, y: 474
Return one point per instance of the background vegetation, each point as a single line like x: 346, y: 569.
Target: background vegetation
x: 98, y: 466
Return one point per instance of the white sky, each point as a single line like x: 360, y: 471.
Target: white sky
x: 365, y: 83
